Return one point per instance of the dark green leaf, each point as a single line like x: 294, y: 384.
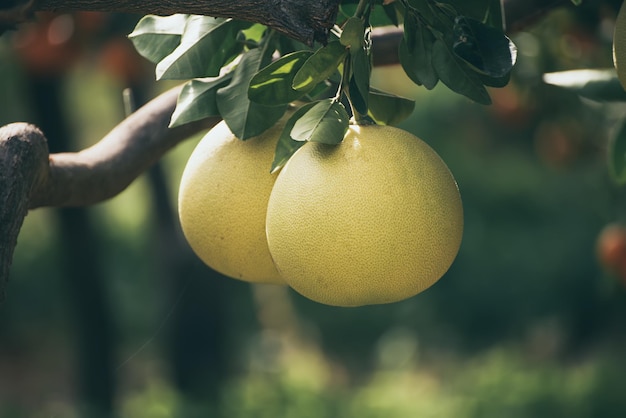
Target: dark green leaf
x: 353, y: 33
x: 155, y: 37
x: 485, y: 48
x: 323, y: 90
x: 286, y: 145
x: 415, y: 53
x: 273, y: 84
x: 487, y: 11
x: 389, y: 109
x: 245, y: 118
x: 206, y: 45
x: 357, y: 99
x: 457, y: 75
x: 252, y: 36
x: 326, y: 122
x: 600, y: 85
x: 321, y: 65
x: 393, y: 12
x: 424, y: 8
x: 617, y: 154
x: 577, y: 2
x: 495, y: 81
x: 360, y: 79
x: 198, y: 100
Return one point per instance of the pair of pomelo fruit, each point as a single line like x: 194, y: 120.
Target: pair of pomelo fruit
x: 375, y: 219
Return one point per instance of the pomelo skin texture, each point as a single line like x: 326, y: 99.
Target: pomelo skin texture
x: 376, y: 219
x: 223, y: 201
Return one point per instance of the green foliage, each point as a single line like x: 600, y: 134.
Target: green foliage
x: 326, y: 122
x: 206, y: 45
x: 463, y: 52
x: 274, y: 83
x: 387, y: 109
x: 247, y: 74
x: 156, y: 37
x: 198, y: 99
x: 245, y: 118
x: 286, y: 144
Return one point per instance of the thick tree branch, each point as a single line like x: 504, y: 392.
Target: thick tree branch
x: 23, y: 153
x: 31, y: 178
x: 105, y: 169
x: 304, y: 20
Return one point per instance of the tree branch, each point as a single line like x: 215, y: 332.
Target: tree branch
x: 31, y: 178
x: 105, y: 169
x: 304, y: 20
x: 23, y: 152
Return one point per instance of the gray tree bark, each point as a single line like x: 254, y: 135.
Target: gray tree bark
x: 304, y: 20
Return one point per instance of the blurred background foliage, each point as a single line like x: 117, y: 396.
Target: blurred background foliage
x: 109, y: 314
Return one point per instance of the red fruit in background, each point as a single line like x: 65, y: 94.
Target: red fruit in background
x: 48, y: 46
x: 611, y: 250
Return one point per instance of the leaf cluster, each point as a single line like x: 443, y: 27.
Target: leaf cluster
x: 250, y: 75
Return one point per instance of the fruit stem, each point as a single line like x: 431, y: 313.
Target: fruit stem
x: 362, y: 7
x: 362, y: 12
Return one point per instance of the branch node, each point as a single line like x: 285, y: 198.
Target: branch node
x: 23, y: 164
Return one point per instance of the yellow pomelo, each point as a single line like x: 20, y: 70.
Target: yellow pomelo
x: 223, y: 201
x: 376, y: 219
x: 619, y: 46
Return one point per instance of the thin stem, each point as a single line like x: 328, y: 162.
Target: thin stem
x: 362, y: 7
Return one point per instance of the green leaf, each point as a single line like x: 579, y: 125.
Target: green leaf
x: 321, y: 65
x: 617, y: 154
x: 326, y: 122
x: 353, y: 33
x: 495, y: 81
x: 286, y: 145
x: 388, y: 109
x: 357, y: 99
x: 360, y: 80
x: 206, y: 45
x: 273, y: 84
x: 423, y: 7
x: 600, y: 85
x: 155, y: 37
x: 487, y: 11
x: 415, y: 53
x: 577, y: 2
x: 457, y: 75
x: 198, y: 100
x: 245, y: 118
x: 485, y: 48
x: 393, y: 12
x: 252, y: 36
